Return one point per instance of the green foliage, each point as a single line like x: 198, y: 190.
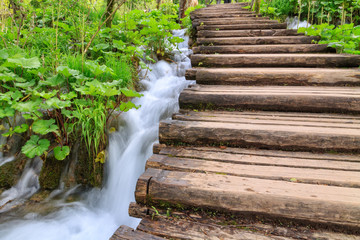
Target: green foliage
x: 35, y: 146
x: 344, y: 38
x: 186, y: 21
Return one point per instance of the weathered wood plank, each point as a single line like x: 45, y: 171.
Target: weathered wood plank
x: 269, y: 136
x: 225, y: 21
x: 248, y: 33
x: 187, y: 230
x: 303, y: 175
x: 127, y: 233
x: 276, y: 60
x: 246, y: 49
x: 252, y: 158
x: 272, y: 98
x: 217, y: 15
x: 278, y: 76
x: 243, y: 26
x: 317, y: 203
x: 258, y: 40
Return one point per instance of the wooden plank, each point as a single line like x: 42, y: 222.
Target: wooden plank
x: 316, y: 203
x: 127, y: 233
x: 203, y: 153
x: 217, y: 15
x: 240, y: 20
x: 268, y: 136
x: 248, y: 33
x: 275, y: 76
x: 252, y: 158
x: 272, y: 98
x: 246, y: 49
x: 258, y: 40
x: 243, y: 26
x: 276, y: 60
x: 303, y: 175
x: 178, y: 218
x: 182, y: 229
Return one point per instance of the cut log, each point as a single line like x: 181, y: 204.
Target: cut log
x: 329, y: 177
x: 247, y: 49
x: 315, y: 203
x: 127, y: 233
x: 314, y: 132
x: 225, y: 21
x: 248, y: 33
x: 277, y: 76
x: 276, y: 60
x: 272, y: 98
x: 173, y: 226
x: 258, y: 40
x: 220, y: 15
x: 243, y: 26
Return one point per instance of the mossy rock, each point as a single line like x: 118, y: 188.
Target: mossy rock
x: 11, y: 172
x: 51, y: 173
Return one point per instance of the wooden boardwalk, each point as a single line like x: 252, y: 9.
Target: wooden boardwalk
x: 265, y: 146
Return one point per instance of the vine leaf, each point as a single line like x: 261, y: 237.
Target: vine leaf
x: 61, y: 153
x: 44, y: 126
x: 35, y: 147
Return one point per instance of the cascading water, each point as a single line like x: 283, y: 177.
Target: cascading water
x: 100, y: 212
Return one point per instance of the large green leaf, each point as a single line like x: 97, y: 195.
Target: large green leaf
x: 44, y: 126
x: 6, y: 112
x: 66, y: 71
x: 4, y: 54
x: 25, y: 62
x: 61, y: 153
x: 29, y: 106
x: 57, y: 103
x: 53, y: 81
x: 35, y: 147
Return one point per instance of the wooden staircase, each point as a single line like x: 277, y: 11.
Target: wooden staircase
x: 265, y: 146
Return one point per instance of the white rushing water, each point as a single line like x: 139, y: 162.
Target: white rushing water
x: 101, y: 212
x: 294, y: 23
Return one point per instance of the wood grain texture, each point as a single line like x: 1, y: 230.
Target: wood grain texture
x: 248, y: 33
x: 258, y: 40
x: 272, y: 98
x: 275, y: 76
x: 255, y: 49
x: 276, y: 60
x: 328, y: 204
x: 243, y: 26
x: 127, y: 233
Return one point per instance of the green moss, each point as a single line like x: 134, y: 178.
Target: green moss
x: 11, y: 172
x: 51, y: 173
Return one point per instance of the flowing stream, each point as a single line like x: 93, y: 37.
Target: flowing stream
x: 100, y: 212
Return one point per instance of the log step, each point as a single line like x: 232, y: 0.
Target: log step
x: 220, y: 15
x: 283, y: 48
x: 243, y: 26
x: 225, y: 21
x: 290, y: 200
x: 258, y: 40
x: 275, y: 60
x: 248, y: 33
x: 127, y: 233
x: 272, y: 98
x: 200, y: 226
x: 277, y: 76
x: 270, y: 130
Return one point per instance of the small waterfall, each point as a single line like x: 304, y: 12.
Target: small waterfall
x: 27, y: 185
x: 293, y: 23
x: 101, y: 212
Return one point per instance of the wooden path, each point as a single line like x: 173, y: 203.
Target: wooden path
x: 265, y: 146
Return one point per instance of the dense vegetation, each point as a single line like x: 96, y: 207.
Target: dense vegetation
x: 335, y: 21
x: 66, y: 73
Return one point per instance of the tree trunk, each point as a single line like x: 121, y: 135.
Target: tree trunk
x: 182, y: 4
x: 109, y: 8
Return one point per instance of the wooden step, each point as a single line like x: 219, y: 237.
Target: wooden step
x: 220, y: 15
x: 270, y: 130
x: 275, y: 60
x: 225, y: 21
x: 258, y: 40
x: 247, y: 33
x: 127, y: 233
x: 275, y: 76
x: 283, y: 48
x: 200, y: 226
x: 272, y: 98
x: 243, y: 26
x: 290, y: 200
